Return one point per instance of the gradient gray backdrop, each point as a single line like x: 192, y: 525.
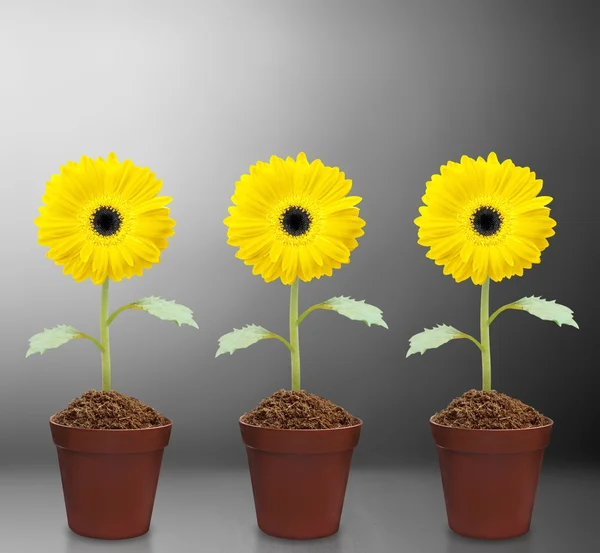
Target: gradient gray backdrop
x: 388, y: 91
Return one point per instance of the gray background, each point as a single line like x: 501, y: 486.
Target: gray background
x: 388, y: 91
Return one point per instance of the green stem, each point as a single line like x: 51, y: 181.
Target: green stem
x: 486, y: 359
x: 294, y: 337
x: 120, y: 310
x: 309, y: 310
x: 503, y: 308
x: 88, y: 337
x: 282, y: 340
x: 104, y: 336
x: 469, y: 337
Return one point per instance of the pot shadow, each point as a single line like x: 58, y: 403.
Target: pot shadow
x: 80, y: 544
x: 459, y: 544
x: 264, y: 543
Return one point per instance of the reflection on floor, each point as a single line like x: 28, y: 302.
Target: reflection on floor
x: 386, y: 511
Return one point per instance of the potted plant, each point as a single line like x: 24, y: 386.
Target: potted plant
x: 103, y: 220
x: 292, y: 220
x: 484, y: 220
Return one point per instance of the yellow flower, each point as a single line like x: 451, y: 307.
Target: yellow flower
x: 484, y: 218
x: 104, y: 219
x: 294, y: 219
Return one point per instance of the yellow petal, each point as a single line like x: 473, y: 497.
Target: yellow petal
x: 86, y: 250
x: 333, y: 249
x: 467, y: 251
x: 301, y: 158
x: 506, y: 254
x: 276, y: 250
x: 315, y: 254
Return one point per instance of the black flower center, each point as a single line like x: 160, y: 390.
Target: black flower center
x: 106, y: 221
x: 486, y: 220
x: 296, y: 221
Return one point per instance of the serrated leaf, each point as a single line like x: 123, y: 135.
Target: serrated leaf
x: 241, y: 338
x: 51, y: 338
x: 167, y: 310
x: 432, y: 338
x: 356, y: 310
x: 547, y: 310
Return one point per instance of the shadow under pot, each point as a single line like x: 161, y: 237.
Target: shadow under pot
x: 109, y: 478
x: 490, y: 478
x: 299, y: 478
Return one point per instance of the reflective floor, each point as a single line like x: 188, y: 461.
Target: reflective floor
x: 386, y: 511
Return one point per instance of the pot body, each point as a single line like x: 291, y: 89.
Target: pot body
x: 109, y: 478
x: 299, y: 478
x: 490, y: 478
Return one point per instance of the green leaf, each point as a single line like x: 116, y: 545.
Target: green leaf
x: 356, y: 310
x: 547, y: 310
x: 433, y: 338
x: 167, y: 310
x: 51, y: 338
x: 242, y: 338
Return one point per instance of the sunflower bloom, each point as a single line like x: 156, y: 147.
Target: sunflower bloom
x: 103, y: 219
x: 483, y: 218
x: 293, y: 219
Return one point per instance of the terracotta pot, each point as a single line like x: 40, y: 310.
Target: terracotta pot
x: 490, y: 478
x: 299, y: 478
x: 109, y: 478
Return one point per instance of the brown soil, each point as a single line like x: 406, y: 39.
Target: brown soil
x: 108, y: 410
x: 491, y: 410
x: 298, y: 410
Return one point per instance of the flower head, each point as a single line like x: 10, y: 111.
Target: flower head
x: 292, y: 218
x: 103, y: 218
x: 483, y: 218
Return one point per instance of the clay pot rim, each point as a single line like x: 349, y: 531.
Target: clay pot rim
x: 498, y: 430
x: 116, y: 430
x: 303, y: 430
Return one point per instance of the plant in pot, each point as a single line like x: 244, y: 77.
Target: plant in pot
x: 292, y: 220
x: 484, y: 220
x: 103, y: 220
